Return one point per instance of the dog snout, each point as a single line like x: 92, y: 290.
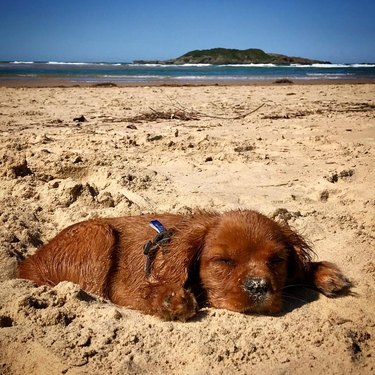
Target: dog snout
x: 257, y: 286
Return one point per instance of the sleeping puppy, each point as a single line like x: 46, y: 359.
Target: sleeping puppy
x: 239, y: 260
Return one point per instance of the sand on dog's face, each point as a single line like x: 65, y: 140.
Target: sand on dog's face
x: 306, y: 156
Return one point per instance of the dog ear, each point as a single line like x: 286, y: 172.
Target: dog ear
x: 300, y: 254
x: 182, y: 255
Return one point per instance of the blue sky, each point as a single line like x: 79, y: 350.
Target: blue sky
x: 92, y: 30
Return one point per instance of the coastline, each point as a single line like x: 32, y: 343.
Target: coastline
x: 61, y: 83
x: 85, y: 74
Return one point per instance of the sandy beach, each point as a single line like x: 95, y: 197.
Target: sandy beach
x: 300, y: 153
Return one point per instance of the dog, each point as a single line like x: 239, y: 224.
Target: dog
x: 171, y: 265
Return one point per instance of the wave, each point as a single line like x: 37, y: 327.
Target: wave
x: 330, y: 66
x: 21, y: 62
x: 362, y: 65
x: 67, y: 63
x: 195, y: 65
x: 151, y: 65
x: 249, y: 65
x: 329, y: 74
x: 82, y: 63
x: 202, y: 77
x: 220, y: 78
x: 318, y: 65
x: 126, y: 76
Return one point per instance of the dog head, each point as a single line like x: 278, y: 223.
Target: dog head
x: 246, y: 261
x: 238, y: 260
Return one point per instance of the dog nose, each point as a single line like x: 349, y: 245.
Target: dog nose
x: 256, y: 286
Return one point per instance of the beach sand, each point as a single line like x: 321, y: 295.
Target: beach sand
x: 305, y: 156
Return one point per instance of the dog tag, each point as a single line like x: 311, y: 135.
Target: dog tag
x: 157, y: 225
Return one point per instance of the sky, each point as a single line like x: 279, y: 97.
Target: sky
x: 339, y: 31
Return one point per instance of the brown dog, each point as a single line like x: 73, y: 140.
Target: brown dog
x: 238, y: 260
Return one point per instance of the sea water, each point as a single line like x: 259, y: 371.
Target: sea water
x: 143, y: 73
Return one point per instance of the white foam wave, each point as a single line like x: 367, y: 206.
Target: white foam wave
x: 193, y: 78
x: 150, y: 65
x: 333, y: 66
x: 362, y: 65
x: 329, y: 74
x: 214, y: 78
x: 111, y: 64
x: 114, y: 76
x: 318, y: 65
x: 170, y: 65
x: 67, y: 63
x: 81, y: 63
x: 22, y: 62
x: 249, y: 65
x: 195, y: 65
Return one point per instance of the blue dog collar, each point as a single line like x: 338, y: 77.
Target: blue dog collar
x: 151, y: 247
x: 157, y: 225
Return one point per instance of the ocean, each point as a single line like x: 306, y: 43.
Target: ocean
x: 76, y: 72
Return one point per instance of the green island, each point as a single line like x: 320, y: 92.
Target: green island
x: 219, y: 56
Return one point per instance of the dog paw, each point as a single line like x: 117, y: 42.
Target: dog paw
x: 178, y: 305
x: 330, y: 281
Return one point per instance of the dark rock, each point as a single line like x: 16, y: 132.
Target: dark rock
x: 283, y: 80
x: 154, y: 138
x: 105, y: 84
x: 80, y: 119
x: 55, y: 184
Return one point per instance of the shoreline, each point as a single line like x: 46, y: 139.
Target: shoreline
x: 62, y: 83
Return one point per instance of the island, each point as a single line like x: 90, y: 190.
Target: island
x: 223, y: 56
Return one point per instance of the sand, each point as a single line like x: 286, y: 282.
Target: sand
x: 306, y: 156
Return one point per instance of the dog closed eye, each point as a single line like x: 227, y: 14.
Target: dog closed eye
x: 225, y: 261
x: 276, y: 260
